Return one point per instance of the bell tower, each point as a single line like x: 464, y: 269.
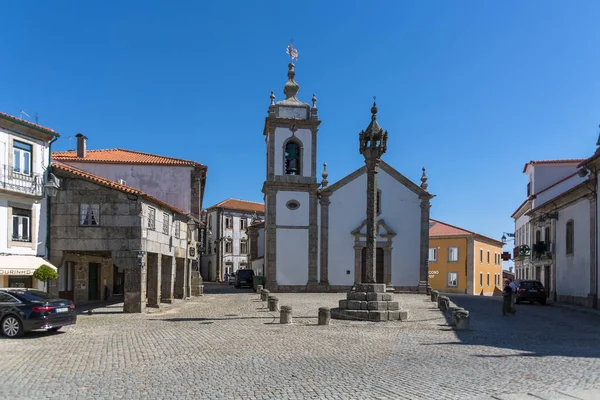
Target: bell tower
x: 290, y: 188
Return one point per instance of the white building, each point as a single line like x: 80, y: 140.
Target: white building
x: 24, y: 160
x: 227, y: 240
x: 539, y: 252
x: 314, y: 234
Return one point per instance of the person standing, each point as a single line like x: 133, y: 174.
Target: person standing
x: 507, y: 298
x: 513, y: 300
x: 226, y: 276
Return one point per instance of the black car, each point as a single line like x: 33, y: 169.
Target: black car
x: 244, y: 277
x: 23, y: 310
x: 531, y: 291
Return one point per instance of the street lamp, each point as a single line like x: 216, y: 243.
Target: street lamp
x: 505, y: 234
x: 52, y: 185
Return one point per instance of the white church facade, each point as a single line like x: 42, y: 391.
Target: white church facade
x: 313, y: 237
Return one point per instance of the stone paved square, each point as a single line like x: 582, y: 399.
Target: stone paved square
x: 227, y: 345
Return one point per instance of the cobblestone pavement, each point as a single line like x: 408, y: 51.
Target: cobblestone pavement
x: 227, y: 345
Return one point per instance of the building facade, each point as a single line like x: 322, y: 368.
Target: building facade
x: 535, y: 248
x: 24, y: 159
x: 113, y: 240
x: 228, y: 247
x: 179, y: 183
x: 461, y: 261
x: 314, y: 235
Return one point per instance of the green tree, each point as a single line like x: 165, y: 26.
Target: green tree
x: 45, y: 274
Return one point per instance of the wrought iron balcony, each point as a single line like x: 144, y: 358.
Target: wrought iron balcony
x: 16, y: 181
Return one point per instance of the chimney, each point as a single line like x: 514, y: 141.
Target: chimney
x: 81, y: 145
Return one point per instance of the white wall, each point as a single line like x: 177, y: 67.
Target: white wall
x: 560, y: 188
x: 297, y: 217
x: 547, y: 175
x: 38, y: 206
x: 292, y: 256
x: 400, y: 208
x: 305, y: 138
x: 573, y: 271
x: 169, y: 184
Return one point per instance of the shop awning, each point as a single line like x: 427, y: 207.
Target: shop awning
x: 22, y: 265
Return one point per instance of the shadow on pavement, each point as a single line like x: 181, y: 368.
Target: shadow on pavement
x: 535, y: 330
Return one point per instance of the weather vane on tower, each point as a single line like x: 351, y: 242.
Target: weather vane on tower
x: 293, y: 53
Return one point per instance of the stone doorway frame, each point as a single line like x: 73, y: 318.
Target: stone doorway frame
x: 382, y: 240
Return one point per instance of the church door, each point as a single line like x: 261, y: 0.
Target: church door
x: 378, y: 265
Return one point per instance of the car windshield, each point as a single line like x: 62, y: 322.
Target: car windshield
x: 245, y: 273
x: 32, y: 295
x: 532, y: 285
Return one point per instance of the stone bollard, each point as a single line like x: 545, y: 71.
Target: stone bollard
x: 462, y: 320
x: 453, y: 311
x: 434, y: 295
x: 273, y: 303
x: 285, y: 316
x: 259, y: 288
x: 324, y: 315
x: 443, y: 303
x: 264, y: 295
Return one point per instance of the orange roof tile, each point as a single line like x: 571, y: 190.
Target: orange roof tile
x: 113, y: 185
x: 441, y: 229
x: 121, y: 156
x: 567, y: 161
x: 437, y: 228
x: 242, y: 205
x: 27, y: 123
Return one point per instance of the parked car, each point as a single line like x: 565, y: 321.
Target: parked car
x: 531, y: 291
x: 244, y: 277
x: 23, y: 310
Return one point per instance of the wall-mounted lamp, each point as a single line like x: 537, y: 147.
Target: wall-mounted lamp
x: 52, y: 185
x: 505, y: 234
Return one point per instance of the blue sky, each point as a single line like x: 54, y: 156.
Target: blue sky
x: 471, y: 90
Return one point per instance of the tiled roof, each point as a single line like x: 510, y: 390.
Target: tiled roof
x: 242, y: 205
x: 567, y: 161
x: 113, y: 185
x: 441, y: 229
x: 27, y: 123
x: 121, y: 156
x: 437, y: 228
x: 522, y: 204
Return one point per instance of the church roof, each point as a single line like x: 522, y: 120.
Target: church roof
x: 122, y: 156
x: 384, y: 167
x: 241, y: 205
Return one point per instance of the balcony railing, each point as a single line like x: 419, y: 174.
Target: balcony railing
x: 14, y: 180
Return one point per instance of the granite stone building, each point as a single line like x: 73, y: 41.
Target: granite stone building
x: 110, y: 239
x: 314, y: 234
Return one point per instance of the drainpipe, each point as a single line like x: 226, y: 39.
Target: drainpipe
x: 48, y: 201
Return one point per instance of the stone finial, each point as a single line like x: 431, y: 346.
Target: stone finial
x: 324, y: 182
x: 313, y: 111
x: 272, y: 105
x: 291, y: 87
x: 424, y: 184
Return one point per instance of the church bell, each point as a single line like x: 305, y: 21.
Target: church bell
x: 293, y: 166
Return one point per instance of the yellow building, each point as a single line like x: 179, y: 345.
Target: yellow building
x: 461, y: 261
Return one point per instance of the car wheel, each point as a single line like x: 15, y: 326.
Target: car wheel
x: 54, y: 329
x: 12, y: 326
x: 543, y: 302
